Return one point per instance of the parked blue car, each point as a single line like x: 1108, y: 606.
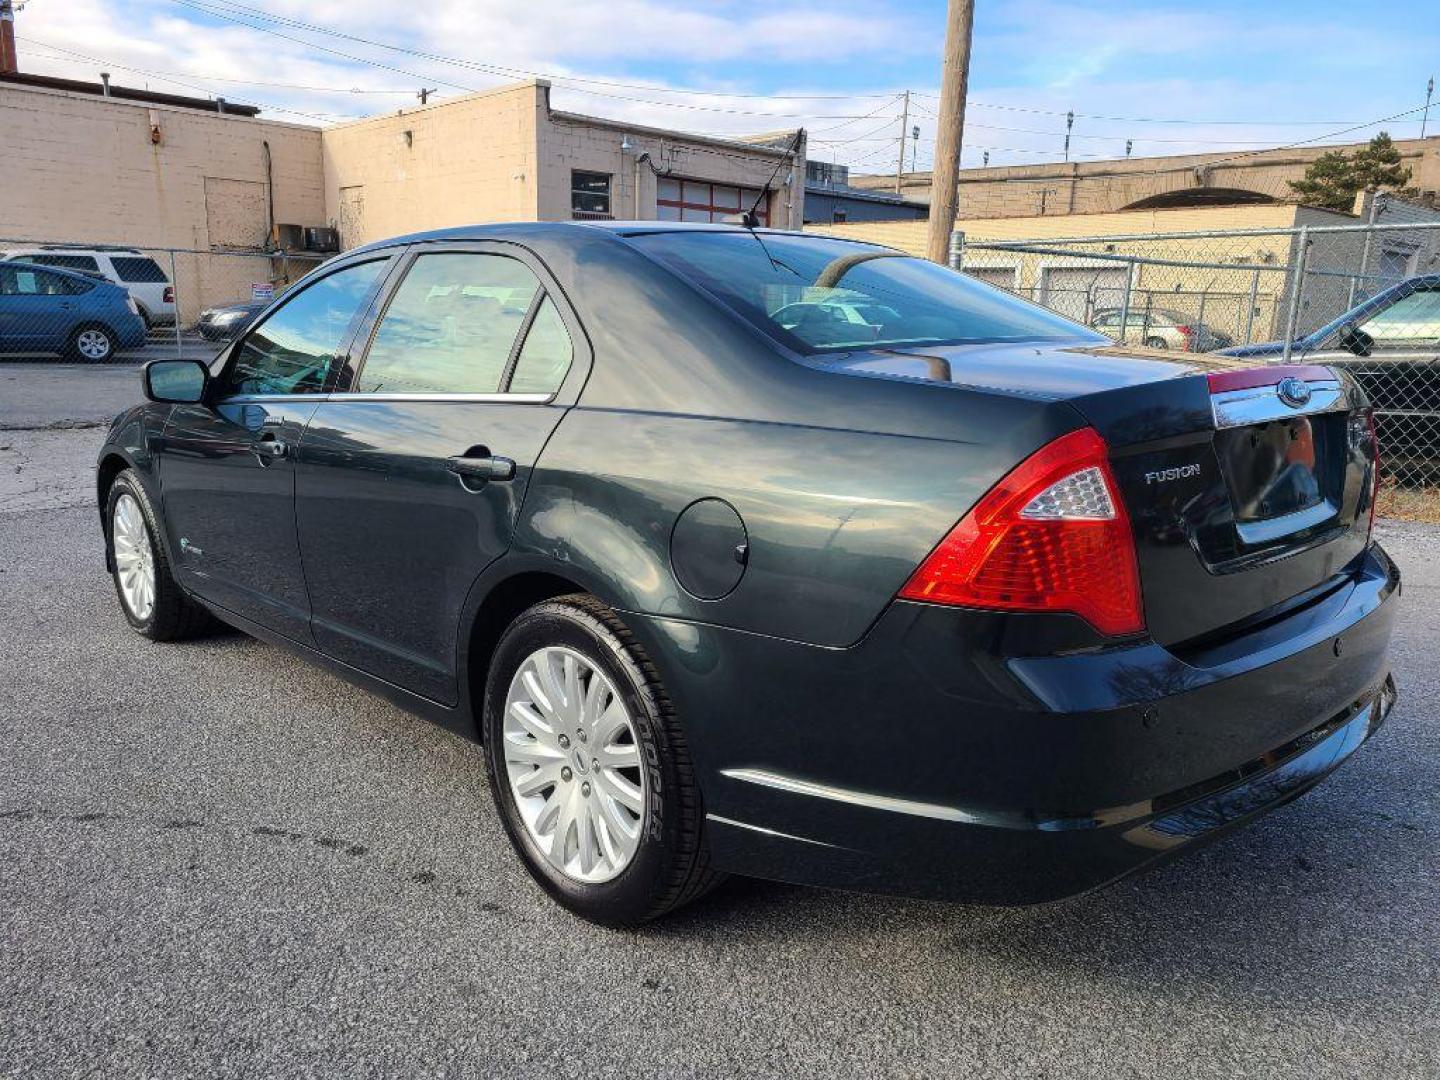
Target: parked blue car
x: 47, y: 310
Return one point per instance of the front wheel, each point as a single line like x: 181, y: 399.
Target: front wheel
x: 150, y: 597
x: 589, y: 770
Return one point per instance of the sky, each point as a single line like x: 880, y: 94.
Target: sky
x: 1171, y: 77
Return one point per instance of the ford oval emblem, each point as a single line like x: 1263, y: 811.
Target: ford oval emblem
x: 1293, y: 392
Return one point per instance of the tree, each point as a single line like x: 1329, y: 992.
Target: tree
x: 1335, y: 178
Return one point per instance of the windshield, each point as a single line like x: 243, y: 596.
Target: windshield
x: 817, y: 295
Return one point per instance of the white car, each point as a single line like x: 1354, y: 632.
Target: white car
x: 1162, y: 330
x: 131, y: 269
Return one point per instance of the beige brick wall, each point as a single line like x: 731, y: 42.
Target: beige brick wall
x: 81, y: 168
x: 462, y: 161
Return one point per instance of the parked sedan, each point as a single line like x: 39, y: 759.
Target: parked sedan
x: 1390, y: 345
x: 223, y: 323
x: 971, y: 603
x: 45, y: 310
x: 1159, y: 329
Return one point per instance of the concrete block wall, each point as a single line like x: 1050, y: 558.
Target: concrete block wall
x: 77, y: 168
x: 468, y: 160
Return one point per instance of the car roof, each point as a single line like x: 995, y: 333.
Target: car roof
x: 522, y: 230
x: 78, y: 275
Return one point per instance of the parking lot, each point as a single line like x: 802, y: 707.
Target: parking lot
x: 216, y: 860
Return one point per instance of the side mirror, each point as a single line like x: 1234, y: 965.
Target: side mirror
x: 176, y: 382
x: 1356, y: 340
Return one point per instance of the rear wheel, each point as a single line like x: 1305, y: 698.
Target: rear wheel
x: 1157, y: 343
x: 93, y: 344
x: 151, y: 599
x: 588, y: 767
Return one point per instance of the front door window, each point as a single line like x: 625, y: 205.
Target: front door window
x: 294, y: 349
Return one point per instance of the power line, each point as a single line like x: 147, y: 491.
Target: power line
x: 1222, y: 160
x: 1142, y: 119
x: 189, y: 85
x: 228, y: 13
x: 408, y: 92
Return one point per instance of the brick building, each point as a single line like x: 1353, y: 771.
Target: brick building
x: 90, y: 164
x: 1060, y: 188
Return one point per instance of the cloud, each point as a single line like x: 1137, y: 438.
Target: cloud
x: 1263, y: 64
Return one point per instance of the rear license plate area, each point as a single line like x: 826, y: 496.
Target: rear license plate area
x: 1284, y: 475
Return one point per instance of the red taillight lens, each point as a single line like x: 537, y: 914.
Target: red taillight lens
x: 1051, y: 536
x: 169, y: 294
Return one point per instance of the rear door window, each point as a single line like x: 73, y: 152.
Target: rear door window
x: 545, y: 357
x: 65, y: 262
x: 294, y: 350
x: 451, y: 326
x: 138, y: 270
x: 18, y: 281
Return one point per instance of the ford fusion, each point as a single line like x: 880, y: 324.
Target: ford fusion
x: 748, y: 552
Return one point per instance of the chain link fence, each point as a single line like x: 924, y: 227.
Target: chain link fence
x: 108, y: 303
x: 1360, y: 297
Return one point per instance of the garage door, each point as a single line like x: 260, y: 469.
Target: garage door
x: 1002, y: 277
x: 1081, y: 291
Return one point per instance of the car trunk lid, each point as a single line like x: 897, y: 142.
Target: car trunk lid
x: 1246, y: 490
x: 1247, y: 487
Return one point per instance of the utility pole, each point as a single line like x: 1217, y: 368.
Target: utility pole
x: 1069, y: 123
x: 950, y: 132
x: 424, y: 94
x: 1425, y: 117
x: 914, y: 145
x: 1129, y: 145
x: 9, y: 58
x: 986, y: 159
x: 904, y: 131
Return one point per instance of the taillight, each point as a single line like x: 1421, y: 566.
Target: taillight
x: 1051, y: 536
x: 169, y: 294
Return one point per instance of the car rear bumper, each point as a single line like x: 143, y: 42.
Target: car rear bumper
x: 927, y: 761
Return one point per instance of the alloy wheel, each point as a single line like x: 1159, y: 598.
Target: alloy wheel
x: 572, y: 761
x: 93, y: 344
x: 134, y: 557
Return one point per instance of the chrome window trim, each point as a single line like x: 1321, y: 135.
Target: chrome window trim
x: 494, y: 399
x: 1258, y: 404
x: 516, y: 399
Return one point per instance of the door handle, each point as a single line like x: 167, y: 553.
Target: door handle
x: 268, y: 448
x: 486, y: 467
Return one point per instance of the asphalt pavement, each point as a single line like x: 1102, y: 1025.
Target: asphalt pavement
x: 216, y: 860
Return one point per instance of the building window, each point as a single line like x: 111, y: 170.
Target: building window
x: 700, y: 200
x: 590, y: 194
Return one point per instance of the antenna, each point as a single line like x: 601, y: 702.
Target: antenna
x: 748, y: 218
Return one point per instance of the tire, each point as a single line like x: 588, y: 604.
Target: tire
x: 1156, y: 343
x: 669, y: 863
x: 170, y: 615
x: 91, y: 344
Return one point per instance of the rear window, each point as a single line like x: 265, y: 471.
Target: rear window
x: 817, y: 295
x: 137, y: 270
